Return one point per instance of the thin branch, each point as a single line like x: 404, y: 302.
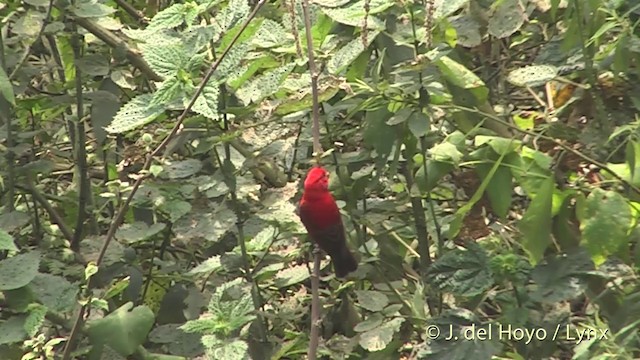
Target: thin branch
x: 53, y: 214
x: 317, y: 150
x: 584, y: 157
x: 84, y: 186
x: 117, y: 43
x: 144, y: 174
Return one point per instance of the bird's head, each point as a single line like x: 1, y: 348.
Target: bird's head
x: 317, y: 179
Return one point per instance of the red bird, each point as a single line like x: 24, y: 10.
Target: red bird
x: 319, y: 214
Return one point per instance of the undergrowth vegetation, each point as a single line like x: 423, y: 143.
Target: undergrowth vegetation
x: 483, y: 154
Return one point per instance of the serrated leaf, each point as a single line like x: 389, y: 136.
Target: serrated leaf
x: 133, y: 114
x: 234, y: 13
x: 462, y: 272
x: 19, y: 270
x: 270, y: 34
x: 168, y: 91
x: 372, y: 300
x: 166, y: 59
x: 174, y: 16
x: 263, y: 85
x: 605, y: 221
x: 347, y: 54
x: 35, y: 319
x: 232, y: 349
x: 353, y: 18
x: 531, y: 76
x: 207, y: 103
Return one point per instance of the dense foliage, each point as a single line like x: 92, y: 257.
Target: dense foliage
x: 483, y: 152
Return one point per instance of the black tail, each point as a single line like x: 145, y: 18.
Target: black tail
x: 343, y: 261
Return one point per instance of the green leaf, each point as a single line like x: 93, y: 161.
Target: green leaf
x: 507, y: 18
x: 444, y: 8
x: 123, y: 330
x: 35, y: 319
x: 347, y: 54
x: 12, y: 330
x: 531, y: 76
x: 210, y: 265
x: 499, y: 189
x: 419, y: 124
x: 236, y: 12
x: 467, y: 30
x: 6, y: 88
x: 6, y: 241
x: 270, y: 34
x: 378, y: 338
x: 167, y: 59
x: 291, y: 275
x: 536, y: 222
x: 210, y: 226
x: 377, y: 133
x: 436, y: 170
x: 19, y: 270
x: 207, y: 103
x: 559, y: 278
x: 499, y: 144
x: 263, y: 85
x: 372, y: 300
x: 463, y: 272
x: 373, y: 321
x: 133, y: 114
x: 168, y: 91
x: 460, y: 76
x: 230, y: 349
x: 605, y: 221
x: 354, y: 13
x: 138, y: 231
x: 54, y: 292
x: 182, y: 169
x: 173, y: 16
x: 92, y: 9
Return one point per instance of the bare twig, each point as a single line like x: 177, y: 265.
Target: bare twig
x: 317, y: 150
x: 123, y: 209
x: 53, y: 214
x: 115, y: 42
x: 84, y: 185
